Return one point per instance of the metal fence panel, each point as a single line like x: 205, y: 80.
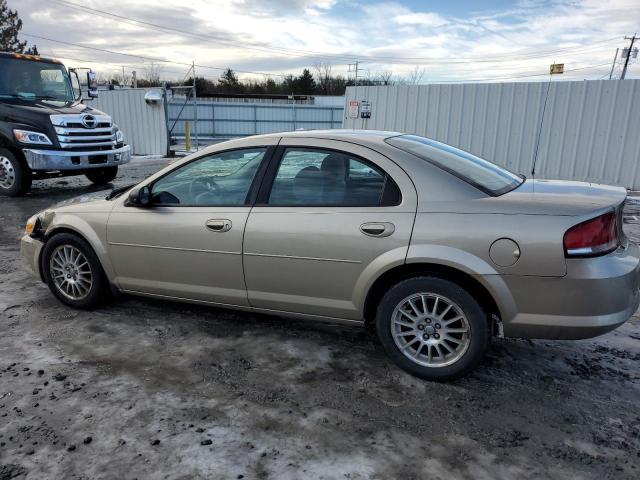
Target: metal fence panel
x: 144, y: 125
x: 234, y: 119
x: 590, y: 130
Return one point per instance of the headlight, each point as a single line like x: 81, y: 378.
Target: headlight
x: 34, y: 225
x: 119, y: 135
x: 35, y: 138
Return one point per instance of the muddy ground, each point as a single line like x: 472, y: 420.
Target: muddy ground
x: 151, y: 389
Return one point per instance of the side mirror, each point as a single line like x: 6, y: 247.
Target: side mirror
x: 140, y: 197
x: 92, y: 84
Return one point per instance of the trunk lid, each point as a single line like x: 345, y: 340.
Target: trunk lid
x: 559, y: 197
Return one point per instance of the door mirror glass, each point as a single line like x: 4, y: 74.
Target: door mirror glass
x: 92, y: 84
x: 140, y: 197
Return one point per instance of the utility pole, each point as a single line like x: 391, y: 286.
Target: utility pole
x: 195, y: 105
x: 629, y: 52
x: 613, y: 65
x: 355, y: 65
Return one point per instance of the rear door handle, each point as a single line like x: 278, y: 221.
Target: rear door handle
x: 378, y: 229
x: 222, y: 225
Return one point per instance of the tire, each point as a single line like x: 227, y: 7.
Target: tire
x: 15, y: 175
x: 411, y: 344
x: 79, y: 290
x: 101, y: 176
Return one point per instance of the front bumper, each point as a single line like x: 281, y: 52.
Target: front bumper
x: 594, y: 297
x: 30, y: 249
x: 61, y: 160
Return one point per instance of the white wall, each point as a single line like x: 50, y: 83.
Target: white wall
x: 591, y: 129
x: 144, y: 125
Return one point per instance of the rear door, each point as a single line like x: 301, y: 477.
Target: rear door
x: 329, y: 213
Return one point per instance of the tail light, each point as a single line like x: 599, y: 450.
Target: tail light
x: 594, y: 237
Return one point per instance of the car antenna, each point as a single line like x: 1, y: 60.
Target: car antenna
x: 544, y: 108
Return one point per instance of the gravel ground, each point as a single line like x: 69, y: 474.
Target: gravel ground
x: 151, y: 389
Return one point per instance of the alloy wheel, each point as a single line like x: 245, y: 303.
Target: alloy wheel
x: 430, y: 330
x: 71, y: 272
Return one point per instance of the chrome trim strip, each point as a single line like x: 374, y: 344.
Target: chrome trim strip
x: 65, y: 131
x: 295, y: 257
x: 91, y: 144
x: 173, y: 248
x: 60, y: 120
x: 84, y: 138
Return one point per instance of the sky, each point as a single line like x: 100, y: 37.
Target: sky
x: 409, y: 40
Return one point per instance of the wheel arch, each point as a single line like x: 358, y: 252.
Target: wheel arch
x: 92, y: 240
x: 410, y: 270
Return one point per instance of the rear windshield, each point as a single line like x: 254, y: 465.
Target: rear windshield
x: 480, y: 173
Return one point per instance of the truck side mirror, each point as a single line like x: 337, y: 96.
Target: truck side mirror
x: 92, y: 84
x: 140, y: 197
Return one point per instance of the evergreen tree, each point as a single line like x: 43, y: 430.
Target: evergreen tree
x: 10, y: 25
x: 305, y: 84
x: 229, y: 82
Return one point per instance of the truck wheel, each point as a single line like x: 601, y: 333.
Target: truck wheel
x: 432, y: 328
x: 15, y: 175
x: 100, y: 176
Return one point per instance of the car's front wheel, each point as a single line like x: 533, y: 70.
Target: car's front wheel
x: 432, y: 328
x: 73, y: 272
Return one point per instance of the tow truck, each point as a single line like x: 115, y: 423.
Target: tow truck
x: 46, y: 131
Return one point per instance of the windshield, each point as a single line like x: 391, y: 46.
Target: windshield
x: 480, y: 173
x: 34, y: 80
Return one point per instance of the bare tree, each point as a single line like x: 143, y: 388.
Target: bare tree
x: 415, y: 75
x: 152, y: 75
x: 386, y: 77
x: 323, y: 76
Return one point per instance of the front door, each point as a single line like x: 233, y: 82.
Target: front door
x: 188, y: 244
x: 328, y: 210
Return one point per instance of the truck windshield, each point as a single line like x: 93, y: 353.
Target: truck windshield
x: 33, y: 80
x: 480, y: 173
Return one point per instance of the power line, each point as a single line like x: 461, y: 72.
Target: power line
x: 515, y: 77
x: 144, y: 57
x: 334, y: 56
x: 280, y: 75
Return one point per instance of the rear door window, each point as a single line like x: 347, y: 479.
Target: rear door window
x: 308, y: 177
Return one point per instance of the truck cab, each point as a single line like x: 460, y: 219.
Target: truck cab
x: 45, y: 129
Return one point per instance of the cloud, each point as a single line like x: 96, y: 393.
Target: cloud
x: 284, y: 36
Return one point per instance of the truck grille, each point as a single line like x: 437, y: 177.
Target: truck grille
x: 84, y: 132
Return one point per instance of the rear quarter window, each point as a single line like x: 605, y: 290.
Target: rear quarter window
x: 482, y: 174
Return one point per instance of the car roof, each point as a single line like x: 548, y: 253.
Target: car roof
x: 362, y: 137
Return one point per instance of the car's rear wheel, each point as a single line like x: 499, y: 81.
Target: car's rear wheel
x: 73, y: 272
x: 100, y: 176
x: 432, y: 328
x: 15, y: 175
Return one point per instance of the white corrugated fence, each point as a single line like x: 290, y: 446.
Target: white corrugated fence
x: 591, y: 129
x: 144, y: 125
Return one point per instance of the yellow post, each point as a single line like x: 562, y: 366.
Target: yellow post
x: 187, y: 136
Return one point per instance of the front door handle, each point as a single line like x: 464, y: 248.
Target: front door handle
x: 222, y: 225
x: 378, y: 229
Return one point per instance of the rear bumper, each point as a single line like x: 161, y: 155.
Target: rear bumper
x: 61, y: 160
x: 30, y: 249
x: 596, y: 296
